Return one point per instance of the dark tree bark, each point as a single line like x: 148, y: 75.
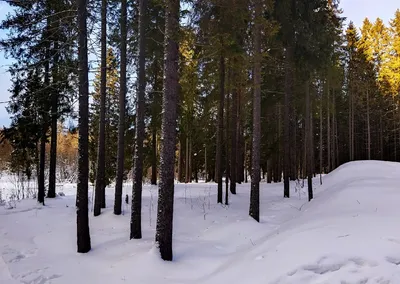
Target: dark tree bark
x: 269, y: 170
x: 43, y: 138
x: 254, y: 210
x: 321, y: 140
x: 245, y: 162
x: 154, y: 157
x: 205, y: 165
x: 82, y: 210
x: 336, y: 141
x: 121, y: 123
x: 42, y: 161
x: 233, y: 136
x: 368, y: 129
x: 381, y: 136
x: 333, y: 147
x: 99, y: 199
x: 136, y: 215
x: 180, y: 161
x: 169, y: 123
x: 51, y: 193
x: 286, y: 124
x: 227, y: 157
x: 187, y: 159
x: 220, y: 132
x: 308, y: 143
x: 240, y: 144
x: 328, y: 129
x: 190, y: 160
x: 295, y: 165
x: 278, y: 171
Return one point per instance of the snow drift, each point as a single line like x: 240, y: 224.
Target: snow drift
x: 348, y: 234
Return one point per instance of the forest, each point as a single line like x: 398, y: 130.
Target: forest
x: 169, y: 91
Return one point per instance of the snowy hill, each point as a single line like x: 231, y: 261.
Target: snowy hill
x: 348, y: 234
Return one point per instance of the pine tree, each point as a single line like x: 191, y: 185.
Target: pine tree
x: 136, y: 215
x: 82, y: 210
x: 389, y: 77
x: 99, y: 201
x: 255, y: 169
x: 33, y: 45
x: 111, y: 121
x: 170, y: 103
x: 122, y: 110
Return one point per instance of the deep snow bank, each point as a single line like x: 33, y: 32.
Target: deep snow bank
x: 348, y: 234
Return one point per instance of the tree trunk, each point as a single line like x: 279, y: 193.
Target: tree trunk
x: 337, y: 141
x: 169, y: 123
x: 350, y: 134
x: 333, y: 131
x: 234, y: 133
x: 245, y: 162
x: 286, y: 126
x: 321, y: 139
x: 227, y: 156
x: 54, y: 117
x: 51, y: 193
x: 312, y: 152
x: 187, y: 160
x: 394, y: 140
x: 269, y: 170
x: 280, y: 160
x: 154, y: 157
x: 205, y: 165
x: 254, y: 210
x: 43, y: 138
x: 136, y: 213
x: 101, y: 157
x: 293, y: 143
x: 220, y: 132
x: 308, y: 142
x: 121, y: 122
x: 368, y: 130
x: 42, y: 162
x: 328, y: 129
x: 239, y: 161
x: 381, y: 136
x: 190, y: 160
x: 82, y: 210
x: 180, y: 161
x: 352, y: 129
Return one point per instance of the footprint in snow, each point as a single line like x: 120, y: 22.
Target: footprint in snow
x: 393, y: 260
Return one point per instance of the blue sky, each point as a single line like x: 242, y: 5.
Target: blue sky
x: 355, y: 10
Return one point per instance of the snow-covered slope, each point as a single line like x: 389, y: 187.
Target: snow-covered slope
x: 348, y: 234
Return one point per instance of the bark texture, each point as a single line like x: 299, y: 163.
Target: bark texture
x: 99, y: 199
x: 82, y: 210
x: 254, y: 210
x: 169, y: 123
x: 136, y: 213
x: 122, y: 110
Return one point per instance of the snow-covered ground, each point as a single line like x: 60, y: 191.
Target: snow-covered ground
x: 349, y: 233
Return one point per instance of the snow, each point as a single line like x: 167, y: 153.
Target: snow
x: 348, y: 234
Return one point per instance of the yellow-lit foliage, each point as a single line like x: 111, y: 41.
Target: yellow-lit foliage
x: 67, y: 153
x: 5, y: 154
